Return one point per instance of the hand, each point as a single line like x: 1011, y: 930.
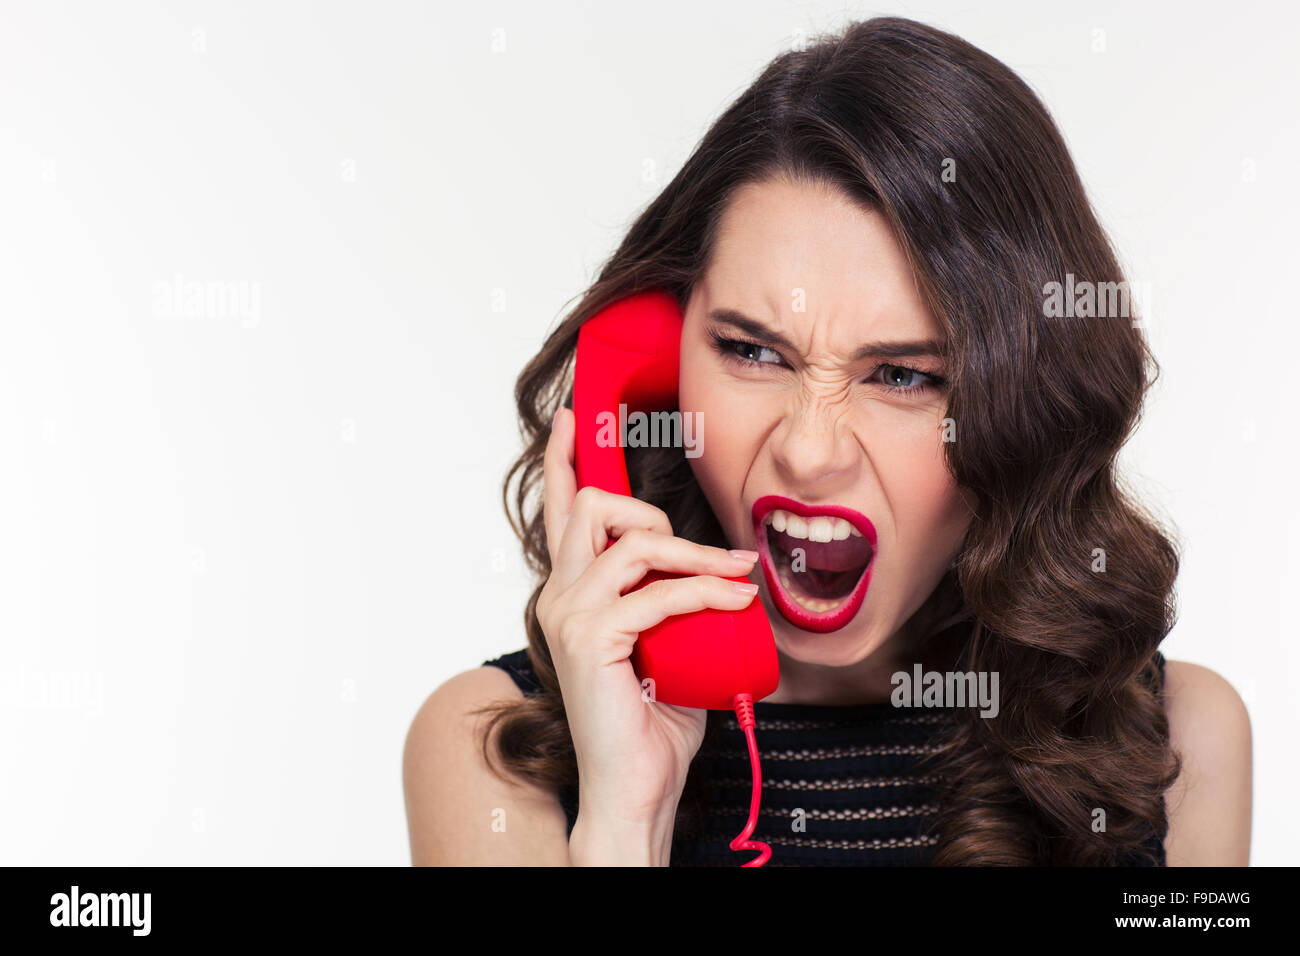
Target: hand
x: 633, y: 755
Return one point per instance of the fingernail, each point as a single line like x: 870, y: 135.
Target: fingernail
x: 745, y: 588
x: 750, y: 556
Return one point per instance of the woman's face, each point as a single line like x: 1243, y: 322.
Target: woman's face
x: 815, y: 370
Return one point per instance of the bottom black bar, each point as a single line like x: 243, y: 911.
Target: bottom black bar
x: 340, y: 905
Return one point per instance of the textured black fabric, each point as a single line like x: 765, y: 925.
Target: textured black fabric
x: 848, y: 774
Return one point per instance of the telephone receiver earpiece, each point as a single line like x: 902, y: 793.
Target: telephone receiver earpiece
x: 628, y: 354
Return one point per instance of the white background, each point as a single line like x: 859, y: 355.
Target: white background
x: 237, y: 551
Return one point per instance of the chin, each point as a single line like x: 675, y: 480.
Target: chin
x: 842, y: 648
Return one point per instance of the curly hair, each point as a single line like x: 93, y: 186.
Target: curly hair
x: 1042, y: 405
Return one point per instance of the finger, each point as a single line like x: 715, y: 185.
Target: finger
x: 597, y: 518
x: 559, y: 480
x: 623, y: 565
x: 643, y: 609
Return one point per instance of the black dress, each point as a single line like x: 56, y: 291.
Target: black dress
x: 840, y: 784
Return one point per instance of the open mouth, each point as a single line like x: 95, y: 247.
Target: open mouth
x: 817, y: 560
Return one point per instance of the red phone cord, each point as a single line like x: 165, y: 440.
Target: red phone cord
x: 744, y: 707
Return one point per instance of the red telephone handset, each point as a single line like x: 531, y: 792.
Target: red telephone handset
x: 628, y: 355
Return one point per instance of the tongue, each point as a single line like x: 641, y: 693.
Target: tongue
x: 846, y: 555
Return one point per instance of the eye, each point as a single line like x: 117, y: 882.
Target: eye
x: 753, y: 352
x: 745, y: 352
x: 902, y: 378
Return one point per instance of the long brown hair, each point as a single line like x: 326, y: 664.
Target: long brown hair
x: 968, y: 167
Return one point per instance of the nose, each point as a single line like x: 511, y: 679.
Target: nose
x: 814, y: 449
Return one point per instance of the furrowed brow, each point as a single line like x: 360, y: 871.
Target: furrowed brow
x: 763, y: 335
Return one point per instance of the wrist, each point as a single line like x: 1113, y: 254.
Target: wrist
x: 613, y: 839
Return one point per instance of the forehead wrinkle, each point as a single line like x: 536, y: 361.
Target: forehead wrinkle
x: 835, y: 325
x: 752, y: 241
x: 824, y: 339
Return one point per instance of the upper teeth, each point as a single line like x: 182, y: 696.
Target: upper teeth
x: 821, y: 528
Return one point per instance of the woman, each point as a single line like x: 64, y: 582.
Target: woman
x: 865, y: 248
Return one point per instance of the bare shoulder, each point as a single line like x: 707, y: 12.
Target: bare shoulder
x: 1209, y: 805
x: 459, y: 811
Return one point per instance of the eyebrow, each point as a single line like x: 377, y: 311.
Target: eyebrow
x: 765, y: 336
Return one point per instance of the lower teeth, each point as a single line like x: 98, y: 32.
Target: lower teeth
x: 815, y: 605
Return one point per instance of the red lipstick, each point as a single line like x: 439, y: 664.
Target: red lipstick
x: 823, y: 588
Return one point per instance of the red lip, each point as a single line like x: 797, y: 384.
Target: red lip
x: 792, y: 612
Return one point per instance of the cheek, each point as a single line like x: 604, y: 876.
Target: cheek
x: 929, y: 512
x: 733, y: 429
x: 719, y: 423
